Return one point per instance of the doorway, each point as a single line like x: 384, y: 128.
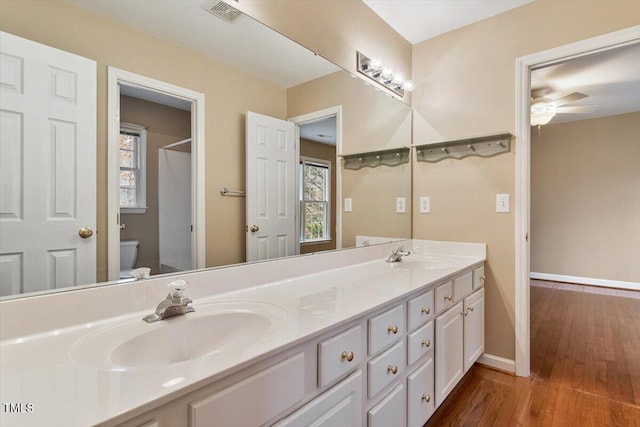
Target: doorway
x: 524, y: 66
x: 319, y: 213
x: 155, y: 175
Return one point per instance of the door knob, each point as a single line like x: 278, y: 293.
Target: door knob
x: 85, y: 232
x: 254, y: 228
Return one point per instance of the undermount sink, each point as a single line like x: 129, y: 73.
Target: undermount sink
x: 214, y: 329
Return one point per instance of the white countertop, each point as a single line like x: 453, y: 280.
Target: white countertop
x: 37, y: 368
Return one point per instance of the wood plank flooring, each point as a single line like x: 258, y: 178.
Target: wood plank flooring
x: 585, y: 366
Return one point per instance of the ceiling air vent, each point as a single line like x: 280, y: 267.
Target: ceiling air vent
x: 224, y: 11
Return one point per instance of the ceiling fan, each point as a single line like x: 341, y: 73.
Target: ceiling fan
x: 544, y: 108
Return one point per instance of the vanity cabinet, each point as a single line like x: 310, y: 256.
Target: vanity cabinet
x: 392, y: 367
x: 459, y: 333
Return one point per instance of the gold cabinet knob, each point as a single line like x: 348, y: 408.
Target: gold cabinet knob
x: 481, y: 277
x: 393, y: 369
x: 347, y: 355
x: 254, y: 228
x: 425, y: 310
x: 426, y: 343
x: 470, y: 308
x: 393, y: 329
x: 448, y: 297
x: 426, y: 398
x: 85, y: 232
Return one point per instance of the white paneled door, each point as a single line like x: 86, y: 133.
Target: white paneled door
x: 271, y: 161
x: 47, y: 167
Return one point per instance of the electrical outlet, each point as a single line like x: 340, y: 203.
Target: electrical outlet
x: 425, y: 204
x: 401, y: 205
x: 502, y: 203
x: 347, y: 205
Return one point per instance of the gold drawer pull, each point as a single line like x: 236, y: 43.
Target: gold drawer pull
x: 393, y: 329
x: 425, y: 310
x: 393, y: 369
x: 426, y: 343
x: 481, y: 277
x: 448, y: 297
x: 426, y: 398
x: 347, y: 355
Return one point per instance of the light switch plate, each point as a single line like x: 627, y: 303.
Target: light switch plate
x: 425, y: 204
x: 401, y: 205
x: 502, y: 203
x: 347, y: 205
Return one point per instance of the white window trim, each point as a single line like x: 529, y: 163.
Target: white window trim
x: 326, y: 163
x: 141, y: 187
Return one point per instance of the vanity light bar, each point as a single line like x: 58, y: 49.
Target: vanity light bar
x: 375, y: 70
x: 394, y: 157
x: 483, y: 146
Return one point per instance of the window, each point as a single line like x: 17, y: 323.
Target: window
x: 132, y: 159
x: 314, y: 199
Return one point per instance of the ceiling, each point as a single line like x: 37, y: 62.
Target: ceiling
x: 611, y: 79
x: 157, y: 97
x: 323, y: 131
x: 245, y: 43
x: 419, y: 20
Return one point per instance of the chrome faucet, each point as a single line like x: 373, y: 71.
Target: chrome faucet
x: 175, y: 304
x: 396, y: 256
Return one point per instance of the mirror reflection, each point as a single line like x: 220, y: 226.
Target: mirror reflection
x: 170, y: 168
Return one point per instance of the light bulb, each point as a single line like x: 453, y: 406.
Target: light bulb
x: 408, y: 85
x: 387, y: 72
x: 398, y: 78
x: 376, y: 64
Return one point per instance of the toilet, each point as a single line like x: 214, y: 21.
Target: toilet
x: 128, y: 256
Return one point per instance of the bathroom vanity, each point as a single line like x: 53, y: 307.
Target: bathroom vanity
x: 335, y: 339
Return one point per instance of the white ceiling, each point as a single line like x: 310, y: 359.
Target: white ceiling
x: 419, y: 20
x: 157, y: 97
x: 611, y: 79
x: 246, y: 43
x: 323, y: 131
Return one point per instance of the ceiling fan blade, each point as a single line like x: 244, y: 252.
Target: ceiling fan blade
x: 586, y: 109
x: 569, y: 98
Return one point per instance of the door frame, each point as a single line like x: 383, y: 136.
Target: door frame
x: 116, y: 77
x: 524, y: 65
x: 312, y: 117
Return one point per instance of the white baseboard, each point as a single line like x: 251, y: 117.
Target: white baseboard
x: 634, y: 286
x: 497, y: 362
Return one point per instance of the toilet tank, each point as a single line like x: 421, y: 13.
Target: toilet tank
x: 128, y: 253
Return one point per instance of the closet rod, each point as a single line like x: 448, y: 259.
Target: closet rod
x: 175, y: 144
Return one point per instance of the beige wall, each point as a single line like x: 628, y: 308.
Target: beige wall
x: 327, y: 152
x: 229, y: 94
x: 370, y: 121
x: 465, y: 87
x: 165, y: 125
x: 585, y: 198
x: 334, y: 29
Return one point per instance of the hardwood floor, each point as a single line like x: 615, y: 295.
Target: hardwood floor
x: 585, y: 366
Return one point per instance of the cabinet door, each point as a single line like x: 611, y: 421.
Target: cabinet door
x: 390, y: 410
x: 473, y: 328
x: 420, y: 394
x: 341, y: 406
x: 449, y: 351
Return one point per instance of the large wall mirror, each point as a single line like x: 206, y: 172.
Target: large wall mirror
x: 246, y: 73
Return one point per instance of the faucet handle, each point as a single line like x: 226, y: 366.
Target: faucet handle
x: 177, y: 287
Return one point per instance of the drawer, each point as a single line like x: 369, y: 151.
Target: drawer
x: 478, y: 278
x: 339, y: 355
x: 390, y: 410
x: 444, y: 297
x: 419, y: 343
x: 385, y: 368
x: 341, y: 405
x: 385, y: 329
x: 254, y: 400
x: 420, y: 395
x: 420, y: 309
x: 462, y: 286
